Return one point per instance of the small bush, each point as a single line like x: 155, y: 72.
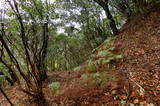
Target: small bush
x: 105, y: 53
x: 92, y: 66
x: 98, y: 78
x: 79, y: 68
x: 123, y: 102
x: 103, y: 56
x: 54, y: 87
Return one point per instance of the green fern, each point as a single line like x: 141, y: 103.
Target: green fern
x: 92, y: 66
x: 54, y: 87
x: 105, y: 53
x: 79, y: 68
x: 118, y: 57
x: 101, y: 77
x: 97, y: 78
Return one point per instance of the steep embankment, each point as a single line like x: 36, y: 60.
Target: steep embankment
x: 140, y: 45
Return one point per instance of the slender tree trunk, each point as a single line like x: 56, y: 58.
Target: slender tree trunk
x: 44, y: 73
x: 111, y: 20
x: 43, y: 52
x: 105, y: 6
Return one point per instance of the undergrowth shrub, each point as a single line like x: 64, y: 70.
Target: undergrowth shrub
x: 98, y: 78
x: 103, y: 56
x: 107, y: 57
x: 106, y: 43
x: 3, y: 81
x: 91, y: 66
x: 79, y: 68
x: 54, y: 86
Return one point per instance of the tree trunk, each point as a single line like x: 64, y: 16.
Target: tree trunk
x: 111, y: 20
x: 43, y: 53
x: 105, y: 6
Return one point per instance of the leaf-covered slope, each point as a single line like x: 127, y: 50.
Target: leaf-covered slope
x: 140, y: 45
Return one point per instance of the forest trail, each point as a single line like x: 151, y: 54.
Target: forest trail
x: 138, y: 73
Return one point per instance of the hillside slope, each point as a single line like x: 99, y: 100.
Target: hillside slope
x: 138, y: 72
x: 140, y: 45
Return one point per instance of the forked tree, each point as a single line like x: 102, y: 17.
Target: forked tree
x: 33, y: 51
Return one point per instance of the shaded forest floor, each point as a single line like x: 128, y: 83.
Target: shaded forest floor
x: 138, y: 73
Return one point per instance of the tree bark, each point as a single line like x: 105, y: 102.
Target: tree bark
x: 43, y: 52
x: 111, y: 20
x: 105, y: 6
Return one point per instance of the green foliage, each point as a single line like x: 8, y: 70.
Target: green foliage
x: 101, y: 77
x: 108, y: 40
x: 66, y: 51
x: 98, y: 78
x: 104, y: 56
x: 91, y: 66
x: 2, y: 66
x: 4, y: 70
x: 107, y: 57
x: 79, y: 68
x: 54, y: 86
x: 123, y: 103
x: 105, y: 53
x: 76, y: 28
